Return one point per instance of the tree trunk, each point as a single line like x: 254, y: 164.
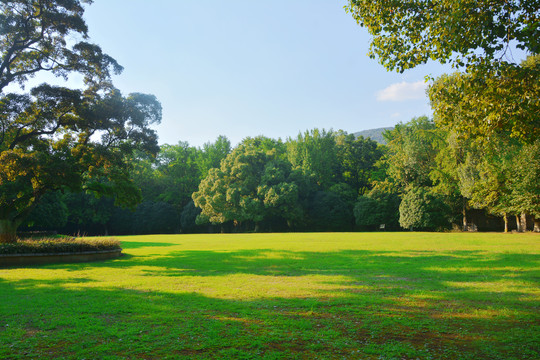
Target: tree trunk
x: 464, y: 212
x: 518, y: 224
x: 536, y: 224
x: 290, y: 225
x: 505, y: 223
x: 523, y: 222
x: 8, y: 231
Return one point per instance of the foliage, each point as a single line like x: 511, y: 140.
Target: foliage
x: 451, y: 164
x: 188, y: 217
x: 35, y: 159
x: 34, y: 36
x: 51, y: 213
x: 524, y: 182
x: 178, y: 173
x: 420, y: 209
x: 329, y: 212
x: 174, y: 175
x: 357, y: 157
x: 58, y: 245
x: 481, y: 105
x: 452, y: 173
x: 495, y: 98
x: 463, y: 32
x: 149, y: 217
x: 412, y: 148
x: 492, y: 125
x: 347, y: 193
x: 251, y: 184
x: 377, y: 207
x: 315, y: 154
x: 155, y: 217
x: 86, y: 212
x: 211, y: 155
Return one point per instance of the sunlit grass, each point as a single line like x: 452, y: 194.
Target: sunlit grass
x: 332, y: 295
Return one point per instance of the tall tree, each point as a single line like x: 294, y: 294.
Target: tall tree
x: 453, y: 174
x: 55, y: 138
x: 496, y: 95
x: 329, y: 212
x: 178, y: 173
x: 378, y: 207
x: 315, y: 154
x: 211, y: 154
x: 87, y: 214
x: 411, y: 157
x: 525, y: 184
x: 357, y: 158
x: 484, y: 174
x: 412, y: 149
x: 51, y: 213
x: 252, y: 184
x: 495, y: 115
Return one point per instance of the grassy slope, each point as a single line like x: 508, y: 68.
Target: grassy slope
x: 377, y: 295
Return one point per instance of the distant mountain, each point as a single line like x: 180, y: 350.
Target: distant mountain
x: 374, y: 134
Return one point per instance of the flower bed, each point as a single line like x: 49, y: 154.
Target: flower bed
x: 58, y: 250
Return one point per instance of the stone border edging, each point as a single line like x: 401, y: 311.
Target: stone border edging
x: 7, y: 260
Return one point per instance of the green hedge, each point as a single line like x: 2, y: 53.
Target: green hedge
x: 58, y: 245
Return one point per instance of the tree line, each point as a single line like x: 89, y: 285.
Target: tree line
x: 425, y: 178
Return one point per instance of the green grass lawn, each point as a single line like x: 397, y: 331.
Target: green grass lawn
x: 283, y: 296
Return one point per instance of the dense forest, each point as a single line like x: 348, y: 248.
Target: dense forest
x: 425, y: 178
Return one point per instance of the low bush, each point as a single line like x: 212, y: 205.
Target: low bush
x: 58, y: 245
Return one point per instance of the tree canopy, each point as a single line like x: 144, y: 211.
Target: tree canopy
x: 461, y: 32
x: 252, y: 183
x: 37, y: 35
x: 491, y: 103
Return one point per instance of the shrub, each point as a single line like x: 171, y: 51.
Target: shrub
x: 58, y: 245
x: 422, y: 210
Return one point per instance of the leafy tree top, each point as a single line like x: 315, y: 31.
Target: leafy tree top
x: 36, y: 35
x: 407, y: 33
x: 491, y: 103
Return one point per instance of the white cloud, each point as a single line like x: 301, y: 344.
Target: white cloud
x: 403, y: 91
x: 395, y: 115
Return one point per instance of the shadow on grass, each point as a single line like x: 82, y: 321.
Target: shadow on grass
x: 469, y: 277
x: 410, y: 305
x: 416, y: 266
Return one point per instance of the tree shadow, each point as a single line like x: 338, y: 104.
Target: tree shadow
x: 379, y: 304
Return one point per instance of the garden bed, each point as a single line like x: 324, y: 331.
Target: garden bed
x: 52, y: 258
x: 58, y: 250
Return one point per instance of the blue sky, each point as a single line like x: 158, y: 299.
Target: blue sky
x: 246, y: 68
